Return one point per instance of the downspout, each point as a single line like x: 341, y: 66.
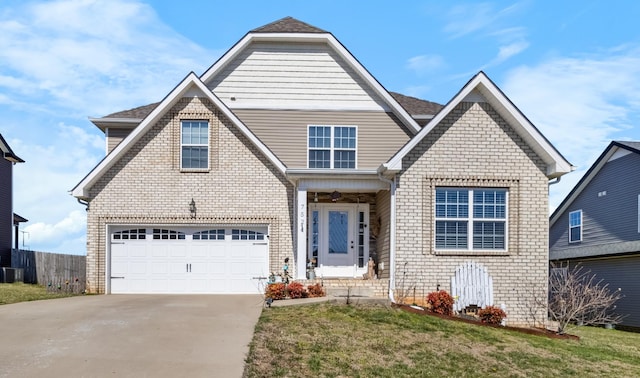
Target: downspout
x: 392, y: 235
x: 553, y: 182
x: 85, y: 203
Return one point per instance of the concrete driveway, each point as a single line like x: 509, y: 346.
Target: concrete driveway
x: 128, y: 336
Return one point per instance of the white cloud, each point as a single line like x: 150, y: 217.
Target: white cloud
x: 83, y: 55
x: 579, y: 103
x: 425, y: 64
x: 47, y: 233
x: 66, y: 60
x: 507, y: 51
x: 468, y: 18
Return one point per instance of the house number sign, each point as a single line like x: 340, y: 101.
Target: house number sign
x: 303, y: 216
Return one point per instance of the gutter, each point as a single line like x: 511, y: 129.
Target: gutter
x: 553, y: 182
x: 392, y: 235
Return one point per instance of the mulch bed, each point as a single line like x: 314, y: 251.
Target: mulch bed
x: 529, y: 331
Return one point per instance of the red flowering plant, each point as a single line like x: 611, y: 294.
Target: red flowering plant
x: 315, y: 290
x: 297, y: 290
x: 492, y: 315
x: 441, y: 302
x: 275, y: 291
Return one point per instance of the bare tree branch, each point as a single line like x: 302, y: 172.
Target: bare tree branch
x: 576, y: 296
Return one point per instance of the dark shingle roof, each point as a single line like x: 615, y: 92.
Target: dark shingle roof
x: 136, y: 113
x: 634, y: 145
x: 416, y: 106
x: 288, y: 25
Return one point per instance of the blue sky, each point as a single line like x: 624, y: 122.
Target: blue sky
x: 573, y: 68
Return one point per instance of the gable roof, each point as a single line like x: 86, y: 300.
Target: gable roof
x: 288, y: 25
x: 140, y: 112
x: 290, y: 29
x: 7, y: 152
x: 191, y: 82
x: 413, y: 105
x: 416, y: 106
x: 557, y: 165
x: 604, y: 157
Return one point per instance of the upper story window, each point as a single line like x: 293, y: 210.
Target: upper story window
x: 332, y: 147
x: 194, y: 151
x: 471, y: 219
x: 575, y: 226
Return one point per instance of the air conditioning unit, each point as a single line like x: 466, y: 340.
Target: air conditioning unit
x: 11, y: 275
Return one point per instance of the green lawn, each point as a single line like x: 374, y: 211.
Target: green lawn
x: 20, y: 292
x: 336, y: 340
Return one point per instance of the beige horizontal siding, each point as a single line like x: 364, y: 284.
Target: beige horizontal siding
x: 293, y: 76
x: 115, y: 136
x: 380, y: 134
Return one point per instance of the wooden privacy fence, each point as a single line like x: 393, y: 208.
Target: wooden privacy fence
x: 472, y: 285
x: 57, y: 272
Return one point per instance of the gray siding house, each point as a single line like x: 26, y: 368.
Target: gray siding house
x: 598, y: 225
x: 7, y: 160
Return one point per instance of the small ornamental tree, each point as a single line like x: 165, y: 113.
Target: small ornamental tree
x: 441, y: 302
x: 492, y: 315
x: 575, y: 295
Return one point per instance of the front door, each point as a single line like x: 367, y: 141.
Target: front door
x: 339, y: 239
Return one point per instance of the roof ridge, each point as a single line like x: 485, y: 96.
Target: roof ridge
x: 288, y: 25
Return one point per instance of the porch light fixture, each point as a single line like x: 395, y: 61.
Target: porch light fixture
x: 335, y: 196
x: 315, y: 198
x: 192, y: 208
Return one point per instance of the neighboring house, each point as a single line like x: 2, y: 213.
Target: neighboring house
x: 287, y: 147
x: 7, y: 159
x: 598, y: 225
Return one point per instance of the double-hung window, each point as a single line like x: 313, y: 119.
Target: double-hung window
x: 332, y: 147
x: 575, y: 226
x: 194, y: 146
x: 471, y: 219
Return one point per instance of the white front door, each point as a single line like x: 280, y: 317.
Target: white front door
x: 339, y: 239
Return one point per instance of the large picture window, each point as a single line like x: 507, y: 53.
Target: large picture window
x: 471, y: 219
x: 332, y: 147
x: 194, y: 137
x: 575, y: 226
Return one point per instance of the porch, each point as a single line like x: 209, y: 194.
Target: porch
x: 351, y: 287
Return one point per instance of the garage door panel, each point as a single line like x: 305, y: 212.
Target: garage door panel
x: 209, y: 261
x: 159, y: 251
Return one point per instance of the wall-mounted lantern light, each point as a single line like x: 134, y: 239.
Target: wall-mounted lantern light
x: 192, y: 208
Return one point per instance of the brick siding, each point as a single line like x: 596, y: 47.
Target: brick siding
x: 474, y: 147
x: 146, y: 186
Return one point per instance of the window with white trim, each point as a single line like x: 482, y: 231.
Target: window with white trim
x: 194, y: 144
x: 575, y: 226
x: 332, y: 146
x: 471, y: 219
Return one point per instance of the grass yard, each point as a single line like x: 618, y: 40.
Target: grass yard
x: 21, y: 292
x: 336, y: 340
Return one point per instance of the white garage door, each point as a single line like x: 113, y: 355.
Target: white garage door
x: 168, y: 260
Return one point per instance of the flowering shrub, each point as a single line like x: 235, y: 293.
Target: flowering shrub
x: 441, y: 302
x: 492, y: 315
x: 275, y: 291
x: 315, y: 290
x: 296, y: 290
